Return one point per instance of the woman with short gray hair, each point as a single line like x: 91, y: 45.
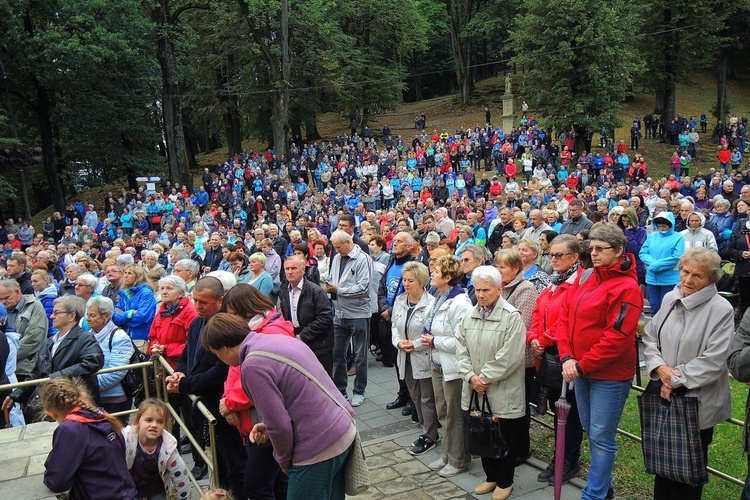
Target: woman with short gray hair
x: 168, y: 332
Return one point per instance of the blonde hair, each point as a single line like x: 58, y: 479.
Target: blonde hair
x: 155, y: 404
x: 62, y: 395
x: 217, y: 494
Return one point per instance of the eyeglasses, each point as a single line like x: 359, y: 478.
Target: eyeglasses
x: 560, y: 255
x: 61, y: 312
x: 599, y: 249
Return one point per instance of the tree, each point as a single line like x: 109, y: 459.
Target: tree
x: 460, y: 14
x: 581, y: 67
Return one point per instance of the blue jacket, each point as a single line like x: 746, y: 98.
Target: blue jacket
x: 46, y: 297
x: 661, y: 253
x: 88, y: 457
x: 140, y: 299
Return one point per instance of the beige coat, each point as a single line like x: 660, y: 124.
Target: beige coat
x: 420, y: 358
x: 696, y: 338
x: 493, y: 348
x: 445, y: 323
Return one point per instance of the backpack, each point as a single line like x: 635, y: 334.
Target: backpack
x: 132, y: 384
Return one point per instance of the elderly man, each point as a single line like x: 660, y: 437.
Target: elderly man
x: 213, y: 254
x: 538, y: 226
x: 499, y: 226
x: 349, y: 282
x: 306, y: 305
x: 26, y: 317
x: 188, y: 270
x: 577, y: 220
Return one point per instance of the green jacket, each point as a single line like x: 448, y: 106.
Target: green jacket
x: 31, y: 325
x: 493, y: 348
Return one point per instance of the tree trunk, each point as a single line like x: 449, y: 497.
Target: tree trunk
x: 191, y: 144
x: 231, y: 115
x: 583, y: 140
x: 311, y: 128
x: 171, y: 108
x: 460, y: 15
x: 721, y: 85
x: 49, y: 159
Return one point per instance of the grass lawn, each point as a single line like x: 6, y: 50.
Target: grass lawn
x: 630, y: 478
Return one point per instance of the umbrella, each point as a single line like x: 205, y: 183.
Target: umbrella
x: 563, y: 408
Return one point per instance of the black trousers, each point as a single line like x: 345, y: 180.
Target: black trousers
x: 666, y: 489
x: 501, y: 470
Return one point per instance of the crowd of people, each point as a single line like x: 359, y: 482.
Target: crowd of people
x: 473, y: 261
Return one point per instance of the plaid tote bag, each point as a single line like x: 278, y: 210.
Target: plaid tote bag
x: 671, y: 438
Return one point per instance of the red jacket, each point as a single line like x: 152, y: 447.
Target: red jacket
x: 549, y: 305
x: 725, y: 156
x: 599, y: 321
x: 235, y: 398
x: 170, y: 330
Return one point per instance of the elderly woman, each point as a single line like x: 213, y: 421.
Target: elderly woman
x: 473, y: 257
x: 295, y: 238
x: 117, y: 349
x: 68, y: 284
x: 137, y: 305
x: 168, y: 332
x: 696, y: 235
x: 440, y: 334
x: 260, y: 279
x: 686, y: 345
x: 596, y: 338
x: 71, y: 352
x: 273, y: 260
x: 410, y: 311
x: 238, y: 263
x: 529, y: 250
x: 464, y: 238
x: 564, y: 252
x: 489, y: 354
x: 660, y: 253
x: 293, y: 407
x: 521, y: 294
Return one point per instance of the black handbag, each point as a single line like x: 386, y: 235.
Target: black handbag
x: 550, y: 369
x: 482, y: 430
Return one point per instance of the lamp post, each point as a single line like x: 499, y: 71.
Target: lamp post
x: 17, y: 159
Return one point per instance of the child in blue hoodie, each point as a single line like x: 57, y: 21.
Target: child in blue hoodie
x: 660, y: 253
x: 88, y: 451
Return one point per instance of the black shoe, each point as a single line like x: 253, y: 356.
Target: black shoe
x: 422, y: 445
x: 610, y: 494
x: 388, y: 364
x: 547, y: 474
x: 569, y: 471
x: 408, y: 408
x: 396, y: 403
x: 520, y: 460
x: 186, y: 449
x: 199, y: 471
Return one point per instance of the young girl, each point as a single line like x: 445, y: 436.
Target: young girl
x: 152, y: 454
x: 88, y: 453
x: 218, y: 494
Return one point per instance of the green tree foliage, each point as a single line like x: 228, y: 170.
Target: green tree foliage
x: 580, y: 67
x: 83, y: 87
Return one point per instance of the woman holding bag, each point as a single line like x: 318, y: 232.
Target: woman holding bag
x: 686, y: 346
x: 490, y: 357
x: 564, y: 250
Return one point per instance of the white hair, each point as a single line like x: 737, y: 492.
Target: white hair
x: 488, y: 273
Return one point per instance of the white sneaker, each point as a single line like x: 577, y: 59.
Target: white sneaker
x: 437, y: 464
x: 450, y: 471
x: 358, y: 399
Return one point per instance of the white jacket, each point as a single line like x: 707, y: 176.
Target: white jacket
x: 420, y: 357
x: 445, y: 323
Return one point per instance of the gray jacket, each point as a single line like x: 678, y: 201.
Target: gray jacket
x: 695, y: 335
x: 353, y: 281
x: 32, y: 325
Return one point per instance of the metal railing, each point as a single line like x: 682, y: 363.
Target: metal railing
x: 159, y: 366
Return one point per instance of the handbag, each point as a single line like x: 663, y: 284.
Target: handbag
x: 133, y: 381
x: 482, y: 430
x: 671, y: 437
x: 550, y: 369
x: 356, y: 473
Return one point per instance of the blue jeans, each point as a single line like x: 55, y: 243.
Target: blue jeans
x: 357, y: 330
x: 656, y: 295
x: 600, y: 405
x: 263, y: 477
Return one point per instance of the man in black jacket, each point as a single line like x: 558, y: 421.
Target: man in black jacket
x: 201, y: 373
x: 213, y: 254
x: 16, y: 267
x: 307, y: 306
x: 504, y: 225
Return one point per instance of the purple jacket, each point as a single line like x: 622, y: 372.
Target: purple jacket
x: 88, y: 456
x: 302, y: 421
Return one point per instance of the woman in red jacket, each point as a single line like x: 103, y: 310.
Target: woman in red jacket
x: 168, y: 332
x: 596, y: 338
x: 564, y: 250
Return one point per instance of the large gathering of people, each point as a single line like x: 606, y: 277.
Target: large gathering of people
x: 501, y: 263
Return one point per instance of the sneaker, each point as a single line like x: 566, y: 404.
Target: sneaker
x: 569, y: 471
x: 422, y: 446
x: 546, y: 474
x: 450, y: 471
x: 437, y: 464
x: 358, y: 399
x: 414, y: 443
